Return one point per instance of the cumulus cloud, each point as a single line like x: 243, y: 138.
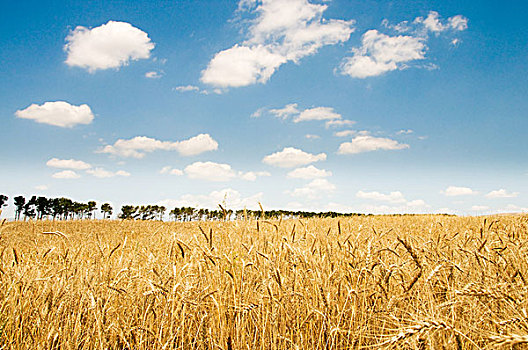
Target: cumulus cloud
x: 502, y: 193
x: 253, y: 175
x: 138, y: 146
x: 308, y: 173
x: 292, y: 111
x: 365, y: 143
x: 102, y: 173
x: 110, y: 45
x: 453, y: 191
x: 339, y: 123
x: 282, y: 31
x: 381, y: 53
x: 68, y: 164
x: 317, y: 113
x: 229, y: 197
x: 291, y: 157
x: 171, y: 171
x: 211, y: 171
x: 392, y: 197
x: 314, y: 189
x: 66, y: 174
x: 58, y: 113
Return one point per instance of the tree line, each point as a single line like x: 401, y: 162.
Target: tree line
x: 66, y: 209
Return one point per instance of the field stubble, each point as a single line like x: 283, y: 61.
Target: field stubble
x: 412, y: 282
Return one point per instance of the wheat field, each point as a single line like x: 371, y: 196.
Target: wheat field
x: 402, y: 282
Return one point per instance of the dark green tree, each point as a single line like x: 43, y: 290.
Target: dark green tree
x: 19, y: 201
x: 3, y: 201
x: 106, y: 210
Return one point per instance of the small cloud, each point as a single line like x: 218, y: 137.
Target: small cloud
x: 102, y: 173
x: 285, y: 112
x: 66, y: 174
x: 58, y: 113
x: 314, y: 189
x: 68, y: 164
x: 453, y: 191
x: 405, y: 132
x: 253, y: 175
x: 42, y: 187
x: 308, y: 173
x: 291, y: 157
x: 393, y: 197
x: 339, y: 123
x: 186, y: 88
x: 480, y: 208
x: 367, y: 143
x: 171, y: 171
x: 312, y: 136
x: 153, y: 75
x: 502, y: 193
x: 138, y: 146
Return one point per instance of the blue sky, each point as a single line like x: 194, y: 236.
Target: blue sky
x: 371, y: 106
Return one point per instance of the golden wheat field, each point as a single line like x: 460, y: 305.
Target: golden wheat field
x: 407, y: 282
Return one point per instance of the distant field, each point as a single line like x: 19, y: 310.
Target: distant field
x: 412, y: 282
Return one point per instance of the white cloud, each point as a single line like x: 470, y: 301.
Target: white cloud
x: 453, y: 191
x: 171, y: 171
x: 381, y: 53
x: 345, y: 133
x: 434, y: 24
x: 458, y: 22
x: 480, y: 207
x: 317, y: 113
x: 392, y: 197
x: 66, y: 174
x: 405, y: 132
x: 285, y: 112
x: 42, y: 187
x: 312, y: 136
x: 186, y: 88
x: 309, y: 172
x: 110, y: 45
x: 58, y: 113
x: 314, y: 189
x: 102, y: 173
x: 68, y: 164
x: 367, y: 143
x: 291, y: 157
x: 153, y: 75
x: 502, y: 193
x: 210, y: 171
x: 339, y: 123
x: 252, y: 175
x: 139, y: 145
x: 283, y: 31
x: 233, y: 199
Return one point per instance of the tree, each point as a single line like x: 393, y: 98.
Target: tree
x: 90, y: 208
x: 106, y: 210
x: 43, y: 207
x: 19, y: 201
x: 30, y: 208
x: 3, y: 201
x: 128, y: 212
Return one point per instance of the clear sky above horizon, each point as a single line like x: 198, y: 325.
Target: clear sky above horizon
x: 351, y: 106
